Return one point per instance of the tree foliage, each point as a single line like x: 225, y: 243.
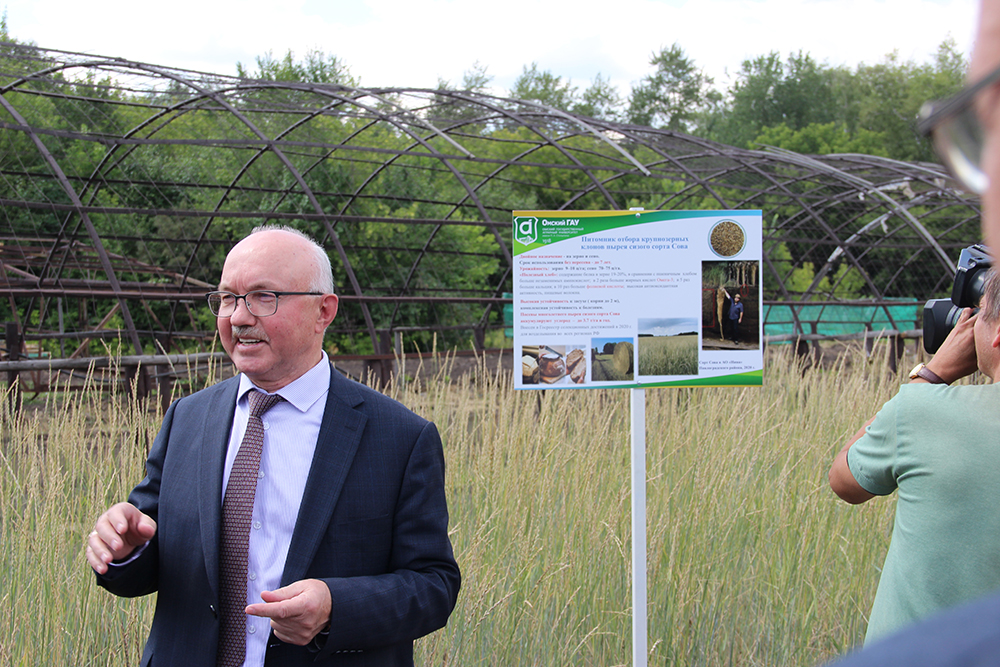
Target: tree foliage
x: 822, y: 139
x: 599, y: 100
x: 769, y: 92
x: 673, y: 95
x: 793, y: 103
x: 316, y: 67
x: 809, y: 107
x: 544, y: 87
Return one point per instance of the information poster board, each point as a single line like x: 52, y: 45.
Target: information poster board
x: 637, y: 298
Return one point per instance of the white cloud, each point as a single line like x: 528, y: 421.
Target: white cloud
x: 412, y: 43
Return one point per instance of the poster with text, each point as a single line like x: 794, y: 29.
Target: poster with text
x: 637, y: 298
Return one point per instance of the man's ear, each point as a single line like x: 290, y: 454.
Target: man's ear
x: 327, y: 311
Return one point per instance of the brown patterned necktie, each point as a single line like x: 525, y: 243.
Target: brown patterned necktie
x: 237, y: 507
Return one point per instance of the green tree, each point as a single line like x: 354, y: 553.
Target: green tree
x: 889, y: 95
x: 769, y: 92
x: 600, y: 100
x: 544, y: 87
x: 822, y: 139
x: 673, y: 95
x: 476, y: 79
x: 807, y: 107
x: 844, y: 283
x: 316, y: 67
x: 447, y: 108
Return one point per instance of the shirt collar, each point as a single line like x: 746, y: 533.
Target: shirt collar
x: 302, y: 392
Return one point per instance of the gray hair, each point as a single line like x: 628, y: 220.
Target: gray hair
x: 323, y: 280
x: 989, y: 305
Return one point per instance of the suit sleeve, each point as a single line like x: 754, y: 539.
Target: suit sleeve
x: 419, y: 592
x: 140, y: 575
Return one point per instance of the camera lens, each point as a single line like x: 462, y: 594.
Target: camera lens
x: 940, y: 317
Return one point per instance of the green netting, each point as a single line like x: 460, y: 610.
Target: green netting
x: 836, y: 320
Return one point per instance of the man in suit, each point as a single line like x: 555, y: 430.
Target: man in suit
x: 346, y: 556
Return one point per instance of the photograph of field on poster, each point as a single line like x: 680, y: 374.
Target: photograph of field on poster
x: 612, y: 359
x: 668, y: 346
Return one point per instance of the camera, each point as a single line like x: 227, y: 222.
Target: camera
x: 941, y: 315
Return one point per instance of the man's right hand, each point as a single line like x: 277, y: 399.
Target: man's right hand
x: 116, y: 535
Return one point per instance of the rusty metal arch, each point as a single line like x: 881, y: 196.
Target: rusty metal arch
x: 327, y: 157
x: 91, y: 231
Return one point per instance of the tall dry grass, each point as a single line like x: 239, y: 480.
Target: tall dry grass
x: 668, y: 355
x: 61, y: 464
x: 752, y: 561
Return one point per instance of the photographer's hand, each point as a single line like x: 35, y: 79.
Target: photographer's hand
x: 957, y: 356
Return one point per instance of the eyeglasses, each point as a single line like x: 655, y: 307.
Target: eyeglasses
x: 260, y: 303
x: 958, y: 135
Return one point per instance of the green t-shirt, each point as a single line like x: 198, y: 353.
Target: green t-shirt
x: 940, y: 447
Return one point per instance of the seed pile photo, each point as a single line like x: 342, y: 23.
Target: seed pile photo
x: 727, y: 238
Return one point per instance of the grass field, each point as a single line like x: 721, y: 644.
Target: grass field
x: 752, y: 561
x: 668, y: 355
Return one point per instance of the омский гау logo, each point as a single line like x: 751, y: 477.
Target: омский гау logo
x: 526, y: 230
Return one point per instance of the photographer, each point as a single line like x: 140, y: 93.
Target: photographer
x: 966, y: 131
x: 937, y: 445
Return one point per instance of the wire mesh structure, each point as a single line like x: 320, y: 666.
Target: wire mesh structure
x: 124, y: 184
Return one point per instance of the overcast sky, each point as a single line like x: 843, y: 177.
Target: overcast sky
x: 413, y: 43
x: 668, y: 326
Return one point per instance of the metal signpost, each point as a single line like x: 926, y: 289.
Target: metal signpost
x: 597, y: 293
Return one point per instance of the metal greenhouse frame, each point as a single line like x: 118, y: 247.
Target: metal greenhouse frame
x: 123, y: 184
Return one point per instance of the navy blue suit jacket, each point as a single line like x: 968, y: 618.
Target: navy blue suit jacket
x: 373, y: 525
x: 964, y: 636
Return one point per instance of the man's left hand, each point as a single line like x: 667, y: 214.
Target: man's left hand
x: 956, y: 357
x: 297, y: 612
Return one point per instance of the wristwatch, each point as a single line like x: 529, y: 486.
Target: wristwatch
x: 921, y: 371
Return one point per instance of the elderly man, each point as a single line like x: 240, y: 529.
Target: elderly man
x: 288, y: 515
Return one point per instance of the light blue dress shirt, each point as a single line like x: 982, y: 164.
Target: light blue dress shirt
x: 291, y: 429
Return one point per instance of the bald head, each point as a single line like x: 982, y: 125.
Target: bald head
x: 274, y: 350
x: 322, y: 280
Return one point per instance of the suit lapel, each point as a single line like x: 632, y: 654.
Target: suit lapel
x: 218, y: 421
x: 339, y: 437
